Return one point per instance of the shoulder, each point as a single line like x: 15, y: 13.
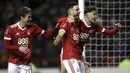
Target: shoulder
x: 97, y: 25
x: 65, y: 23
x: 12, y: 26
x: 33, y: 25
x: 62, y: 19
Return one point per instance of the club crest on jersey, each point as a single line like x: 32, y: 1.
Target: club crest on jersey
x: 91, y: 31
x: 28, y: 33
x: 6, y: 31
x: 17, y: 33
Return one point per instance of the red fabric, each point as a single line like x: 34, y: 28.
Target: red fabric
x: 62, y: 19
x: 110, y: 32
x: 10, y: 47
x: 49, y: 33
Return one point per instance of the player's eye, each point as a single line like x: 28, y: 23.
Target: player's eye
x: 77, y: 9
x: 29, y: 17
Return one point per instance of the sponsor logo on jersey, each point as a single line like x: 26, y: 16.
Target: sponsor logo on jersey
x: 81, y: 36
x: 23, y: 41
x: 28, y: 33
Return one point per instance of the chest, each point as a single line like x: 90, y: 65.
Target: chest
x: 81, y: 33
x: 26, y: 33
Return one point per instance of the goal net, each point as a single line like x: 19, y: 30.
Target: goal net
x: 110, y: 51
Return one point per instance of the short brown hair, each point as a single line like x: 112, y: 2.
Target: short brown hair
x: 90, y: 9
x: 70, y: 5
x: 23, y: 11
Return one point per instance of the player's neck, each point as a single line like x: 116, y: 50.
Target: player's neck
x: 71, y: 19
x: 87, y: 22
x: 22, y: 24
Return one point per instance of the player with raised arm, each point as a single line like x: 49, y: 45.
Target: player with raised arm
x: 74, y: 35
x: 18, y: 40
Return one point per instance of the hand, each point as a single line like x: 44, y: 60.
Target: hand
x: 23, y: 49
x: 87, y: 67
x: 118, y: 25
x: 55, y: 42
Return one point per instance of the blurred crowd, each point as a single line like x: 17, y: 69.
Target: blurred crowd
x: 46, y: 12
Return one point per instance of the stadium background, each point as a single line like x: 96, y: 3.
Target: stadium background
x: 101, y: 50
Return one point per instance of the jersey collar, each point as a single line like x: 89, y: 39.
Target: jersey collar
x: 20, y: 27
x: 86, y: 23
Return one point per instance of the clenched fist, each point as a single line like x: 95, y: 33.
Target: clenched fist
x: 118, y: 25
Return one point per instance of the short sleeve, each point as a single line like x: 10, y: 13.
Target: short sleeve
x: 64, y: 26
x: 8, y: 34
x: 100, y: 28
x: 38, y: 30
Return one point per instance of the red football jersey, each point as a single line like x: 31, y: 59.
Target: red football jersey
x: 75, y: 38
x: 21, y: 37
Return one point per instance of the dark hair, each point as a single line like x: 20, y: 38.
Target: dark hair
x: 90, y: 9
x: 70, y: 5
x: 23, y: 11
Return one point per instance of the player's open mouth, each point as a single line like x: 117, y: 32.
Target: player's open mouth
x: 94, y: 19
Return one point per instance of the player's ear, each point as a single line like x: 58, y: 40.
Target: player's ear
x: 21, y: 17
x: 87, y: 15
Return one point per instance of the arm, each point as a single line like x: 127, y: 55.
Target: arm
x: 58, y: 37
x: 39, y: 31
x: 10, y: 47
x: 110, y: 32
x: 7, y: 40
x: 14, y: 48
x: 113, y: 31
x: 50, y: 32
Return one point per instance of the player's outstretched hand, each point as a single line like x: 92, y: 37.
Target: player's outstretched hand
x: 118, y: 25
x: 23, y: 49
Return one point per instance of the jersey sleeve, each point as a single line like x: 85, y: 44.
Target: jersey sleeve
x: 62, y: 19
x: 109, y: 32
x: 7, y: 40
x: 8, y: 34
x: 100, y: 28
x: 64, y: 27
x: 38, y: 30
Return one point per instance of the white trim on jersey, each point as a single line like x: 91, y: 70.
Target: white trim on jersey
x: 20, y: 27
x: 7, y: 38
x: 42, y: 32
x: 62, y: 30
x: 103, y: 30
x: 86, y: 23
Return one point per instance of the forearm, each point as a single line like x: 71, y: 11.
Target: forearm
x: 22, y: 55
x: 111, y: 32
x: 10, y: 47
x: 50, y: 32
x: 57, y: 40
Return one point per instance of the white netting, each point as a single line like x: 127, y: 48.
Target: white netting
x: 108, y: 51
